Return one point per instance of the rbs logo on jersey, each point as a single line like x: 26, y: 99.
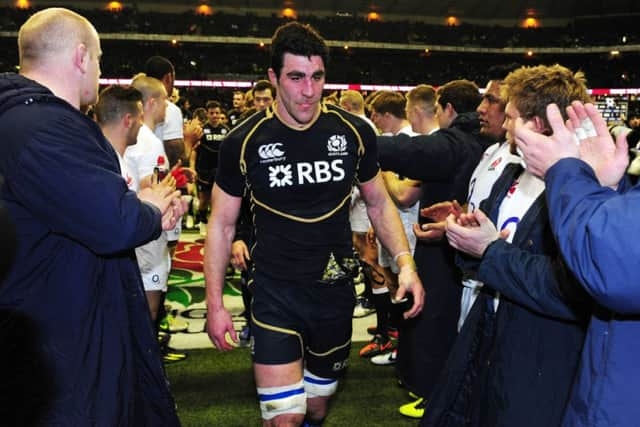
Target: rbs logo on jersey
x: 306, y: 173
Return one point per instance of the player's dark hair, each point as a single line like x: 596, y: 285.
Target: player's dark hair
x: 116, y: 101
x: 262, y: 85
x: 390, y: 102
x: 213, y: 104
x: 158, y: 67
x: 297, y: 39
x: 463, y: 95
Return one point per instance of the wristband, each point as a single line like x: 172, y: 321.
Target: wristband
x: 399, y: 254
x: 411, y: 266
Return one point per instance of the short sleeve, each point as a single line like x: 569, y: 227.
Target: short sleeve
x: 368, y: 167
x: 172, y: 126
x: 228, y: 176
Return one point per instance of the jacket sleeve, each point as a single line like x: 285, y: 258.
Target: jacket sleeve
x: 596, y: 229
x: 429, y: 158
x: 67, y: 176
x: 536, y: 281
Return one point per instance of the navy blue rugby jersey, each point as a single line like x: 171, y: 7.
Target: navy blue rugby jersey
x: 209, y: 148
x: 299, y: 182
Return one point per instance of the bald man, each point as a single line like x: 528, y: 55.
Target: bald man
x: 90, y: 355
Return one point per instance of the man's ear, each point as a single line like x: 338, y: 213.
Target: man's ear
x: 166, y: 79
x: 448, y: 108
x: 126, y: 120
x: 272, y: 77
x: 81, y: 57
x: 450, y: 112
x: 539, y: 125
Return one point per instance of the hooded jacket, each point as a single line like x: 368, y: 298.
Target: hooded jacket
x: 74, y: 296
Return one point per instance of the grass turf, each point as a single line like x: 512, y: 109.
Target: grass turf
x: 217, y: 389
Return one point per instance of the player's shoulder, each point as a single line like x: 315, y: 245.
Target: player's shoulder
x: 173, y: 110
x: 250, y: 125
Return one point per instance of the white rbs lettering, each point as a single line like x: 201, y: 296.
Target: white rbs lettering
x: 304, y: 173
x: 320, y: 171
x: 335, y: 166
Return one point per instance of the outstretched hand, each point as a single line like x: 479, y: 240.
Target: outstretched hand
x: 438, y: 212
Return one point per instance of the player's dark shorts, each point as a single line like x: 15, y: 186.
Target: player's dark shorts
x: 205, y: 180
x: 294, y: 319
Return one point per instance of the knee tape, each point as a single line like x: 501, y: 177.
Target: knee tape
x: 316, y: 386
x: 289, y: 399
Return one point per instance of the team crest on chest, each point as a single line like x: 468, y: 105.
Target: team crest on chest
x: 495, y: 164
x: 337, y: 145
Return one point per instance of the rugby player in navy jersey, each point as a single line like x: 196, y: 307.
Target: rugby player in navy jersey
x: 299, y: 160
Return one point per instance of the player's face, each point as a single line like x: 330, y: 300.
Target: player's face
x: 90, y: 88
x: 380, y: 120
x: 491, y: 112
x: 262, y: 99
x: 136, y: 124
x: 299, y: 88
x: 238, y: 100
x: 160, y: 107
x: 511, y: 113
x: 413, y: 115
x: 213, y: 115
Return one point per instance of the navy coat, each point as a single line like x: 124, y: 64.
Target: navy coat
x: 597, y: 231
x: 516, y: 366
x: 73, y: 302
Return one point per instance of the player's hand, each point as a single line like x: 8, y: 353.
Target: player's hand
x: 408, y: 281
x: 192, y: 132
x: 166, y: 199
x: 608, y: 160
x: 371, y: 236
x: 430, y: 232
x: 239, y: 255
x: 190, y: 173
x: 472, y: 233
x: 539, y: 151
x: 169, y: 220
x: 219, y: 324
x: 439, y: 212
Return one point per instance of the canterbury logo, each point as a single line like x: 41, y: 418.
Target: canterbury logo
x: 270, y: 151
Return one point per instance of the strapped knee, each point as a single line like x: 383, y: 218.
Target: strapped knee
x: 316, y: 386
x: 289, y: 399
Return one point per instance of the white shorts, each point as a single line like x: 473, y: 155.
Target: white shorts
x: 358, y: 213
x: 408, y: 216
x: 154, y: 262
x: 174, y: 235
